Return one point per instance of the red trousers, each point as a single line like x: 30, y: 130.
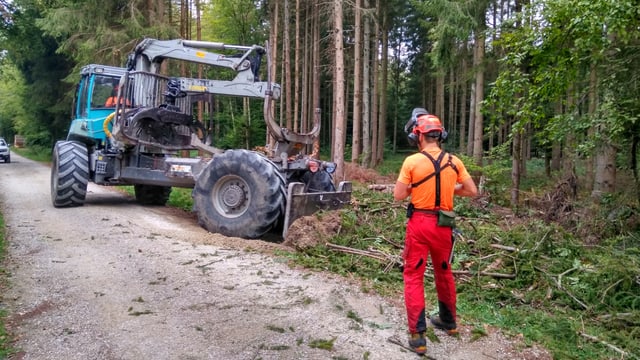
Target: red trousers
x: 423, y: 238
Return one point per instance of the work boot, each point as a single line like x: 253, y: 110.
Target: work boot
x: 445, y: 319
x: 418, y: 343
x: 449, y: 327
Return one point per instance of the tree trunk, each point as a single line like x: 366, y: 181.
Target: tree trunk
x: 568, y: 152
x: 526, y: 148
x: 556, y: 147
x: 605, y: 177
x: 315, y: 90
x: 201, y: 104
x: 397, y: 75
x: 366, y: 93
x: 273, y: 66
x: 556, y: 156
x: 151, y: 13
x: 357, y: 84
x: 338, y: 93
x: 590, y: 160
x: 440, y: 94
x: 424, y: 69
x: 384, y: 68
x: 286, y: 45
x: 635, y: 144
x: 472, y: 117
x: 463, y: 102
x: 516, y: 166
x: 451, y: 124
x: 246, y: 111
x: 305, y: 108
x: 296, y: 72
x: 478, y: 131
x: 375, y: 63
x: 185, y: 27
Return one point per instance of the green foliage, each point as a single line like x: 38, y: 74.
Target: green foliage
x: 614, y: 216
x: 5, y: 348
x: 5, y: 339
x: 446, y: 22
x: 237, y: 127
x: 323, y: 344
x: 562, y: 289
x: 496, y: 174
x: 275, y: 328
x: 181, y: 198
x: 36, y: 153
x: 235, y: 21
x: 13, y: 114
x: 103, y: 32
x: 552, y: 48
x: 44, y: 107
x: 526, y: 276
x: 391, y: 164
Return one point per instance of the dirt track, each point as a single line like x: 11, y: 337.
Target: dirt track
x: 114, y: 280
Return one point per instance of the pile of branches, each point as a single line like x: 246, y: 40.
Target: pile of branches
x: 392, y: 260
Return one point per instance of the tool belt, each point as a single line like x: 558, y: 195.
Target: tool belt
x: 411, y: 209
x: 445, y: 218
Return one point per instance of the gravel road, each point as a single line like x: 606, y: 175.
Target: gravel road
x: 115, y: 280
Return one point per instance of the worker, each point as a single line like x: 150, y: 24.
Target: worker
x: 113, y: 99
x: 426, y: 235
x: 317, y: 179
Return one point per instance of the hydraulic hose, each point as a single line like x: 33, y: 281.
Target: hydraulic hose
x: 105, y: 124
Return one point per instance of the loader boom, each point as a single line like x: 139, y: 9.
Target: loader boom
x: 149, y: 55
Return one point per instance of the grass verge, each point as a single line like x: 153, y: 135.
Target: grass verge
x: 40, y: 154
x: 5, y: 346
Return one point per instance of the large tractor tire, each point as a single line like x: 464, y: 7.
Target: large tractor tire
x: 152, y: 194
x: 69, y: 174
x: 240, y: 193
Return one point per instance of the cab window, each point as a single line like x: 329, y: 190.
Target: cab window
x: 103, y: 88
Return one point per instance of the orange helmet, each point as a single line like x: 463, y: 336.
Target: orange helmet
x: 423, y: 122
x: 427, y: 123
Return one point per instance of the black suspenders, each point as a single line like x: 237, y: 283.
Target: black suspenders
x: 436, y: 173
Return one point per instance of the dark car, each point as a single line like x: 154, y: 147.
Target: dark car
x: 5, y: 154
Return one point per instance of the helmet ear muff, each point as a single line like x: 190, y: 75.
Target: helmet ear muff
x: 412, y: 138
x: 444, y: 135
x: 410, y: 126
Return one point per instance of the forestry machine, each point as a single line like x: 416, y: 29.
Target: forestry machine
x: 134, y: 126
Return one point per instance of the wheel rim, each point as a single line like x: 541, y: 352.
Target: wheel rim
x: 231, y: 196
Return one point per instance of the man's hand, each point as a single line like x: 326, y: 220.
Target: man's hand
x: 401, y: 191
x: 466, y: 188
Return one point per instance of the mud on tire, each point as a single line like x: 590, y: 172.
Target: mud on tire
x: 240, y: 193
x: 69, y: 174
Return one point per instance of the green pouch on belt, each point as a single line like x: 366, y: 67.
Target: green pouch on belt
x: 446, y: 218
